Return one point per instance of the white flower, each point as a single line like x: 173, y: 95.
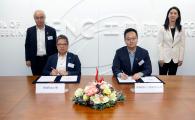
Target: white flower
x: 109, y: 85
x: 105, y: 99
x: 79, y: 92
x: 95, y: 99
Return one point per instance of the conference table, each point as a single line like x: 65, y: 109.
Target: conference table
x: 18, y: 101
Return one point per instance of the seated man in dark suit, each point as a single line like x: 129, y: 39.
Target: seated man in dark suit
x: 63, y: 62
x: 131, y: 60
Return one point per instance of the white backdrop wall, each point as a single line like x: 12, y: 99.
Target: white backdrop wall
x: 95, y: 30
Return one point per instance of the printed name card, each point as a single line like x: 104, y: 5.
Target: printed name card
x: 50, y: 88
x: 149, y: 88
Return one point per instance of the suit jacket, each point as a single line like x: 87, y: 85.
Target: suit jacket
x: 170, y: 48
x: 71, y: 58
x: 142, y: 63
x: 31, y: 42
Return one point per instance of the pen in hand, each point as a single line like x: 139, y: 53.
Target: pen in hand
x: 124, y: 76
x: 54, y: 71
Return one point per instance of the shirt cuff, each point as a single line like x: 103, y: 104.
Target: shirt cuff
x: 119, y: 75
x: 141, y: 74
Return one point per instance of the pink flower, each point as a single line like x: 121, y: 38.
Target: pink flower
x: 90, y: 90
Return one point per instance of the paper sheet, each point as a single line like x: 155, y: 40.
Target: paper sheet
x: 46, y: 79
x: 150, y: 79
x: 129, y: 80
x: 68, y: 79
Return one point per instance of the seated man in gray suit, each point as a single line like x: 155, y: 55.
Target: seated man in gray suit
x: 131, y: 60
x: 63, y: 62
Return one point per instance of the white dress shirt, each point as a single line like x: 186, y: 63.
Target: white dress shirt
x: 61, y: 63
x: 41, y: 48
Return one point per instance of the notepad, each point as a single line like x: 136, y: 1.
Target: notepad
x: 46, y: 79
x: 128, y: 80
x: 150, y: 79
x: 68, y: 79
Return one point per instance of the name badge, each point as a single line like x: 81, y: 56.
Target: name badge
x: 141, y: 62
x: 70, y: 65
x: 50, y: 37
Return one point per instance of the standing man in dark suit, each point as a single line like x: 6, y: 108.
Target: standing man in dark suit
x: 131, y: 60
x: 40, y: 43
x: 64, y: 62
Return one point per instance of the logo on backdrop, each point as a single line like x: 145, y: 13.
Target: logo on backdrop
x: 11, y: 28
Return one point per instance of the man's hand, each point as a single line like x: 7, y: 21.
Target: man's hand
x: 180, y: 63
x: 123, y: 76
x: 161, y: 62
x: 28, y: 63
x: 54, y: 72
x: 63, y: 72
x: 136, y: 76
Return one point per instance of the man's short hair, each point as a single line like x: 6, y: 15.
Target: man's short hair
x: 39, y: 11
x: 62, y: 37
x: 130, y: 30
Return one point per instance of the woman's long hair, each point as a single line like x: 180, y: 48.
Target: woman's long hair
x: 178, y: 21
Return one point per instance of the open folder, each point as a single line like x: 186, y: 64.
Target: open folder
x: 57, y: 79
x: 147, y: 79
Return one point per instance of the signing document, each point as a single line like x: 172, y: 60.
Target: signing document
x: 68, y: 79
x: 150, y: 79
x: 128, y: 80
x: 46, y: 79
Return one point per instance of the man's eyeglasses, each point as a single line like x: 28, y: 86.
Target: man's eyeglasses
x: 42, y: 17
x: 62, y: 44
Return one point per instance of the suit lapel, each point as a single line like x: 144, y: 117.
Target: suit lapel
x: 35, y: 35
x: 126, y: 55
x: 46, y: 37
x: 136, y: 59
x: 55, y: 60
x: 67, y: 60
x: 170, y: 36
x: 175, y: 37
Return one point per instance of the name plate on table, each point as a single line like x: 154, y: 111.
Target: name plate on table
x: 50, y: 88
x: 149, y: 88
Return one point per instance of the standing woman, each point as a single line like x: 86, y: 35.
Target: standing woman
x: 171, y: 43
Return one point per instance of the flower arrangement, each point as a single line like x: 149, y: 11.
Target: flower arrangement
x: 97, y: 95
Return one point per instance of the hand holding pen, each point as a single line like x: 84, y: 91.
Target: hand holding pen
x: 54, y: 71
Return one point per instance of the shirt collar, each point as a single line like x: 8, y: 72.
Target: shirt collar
x: 40, y: 29
x: 130, y: 51
x: 63, y: 55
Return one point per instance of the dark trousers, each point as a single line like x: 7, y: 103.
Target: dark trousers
x: 38, y: 64
x: 168, y: 68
